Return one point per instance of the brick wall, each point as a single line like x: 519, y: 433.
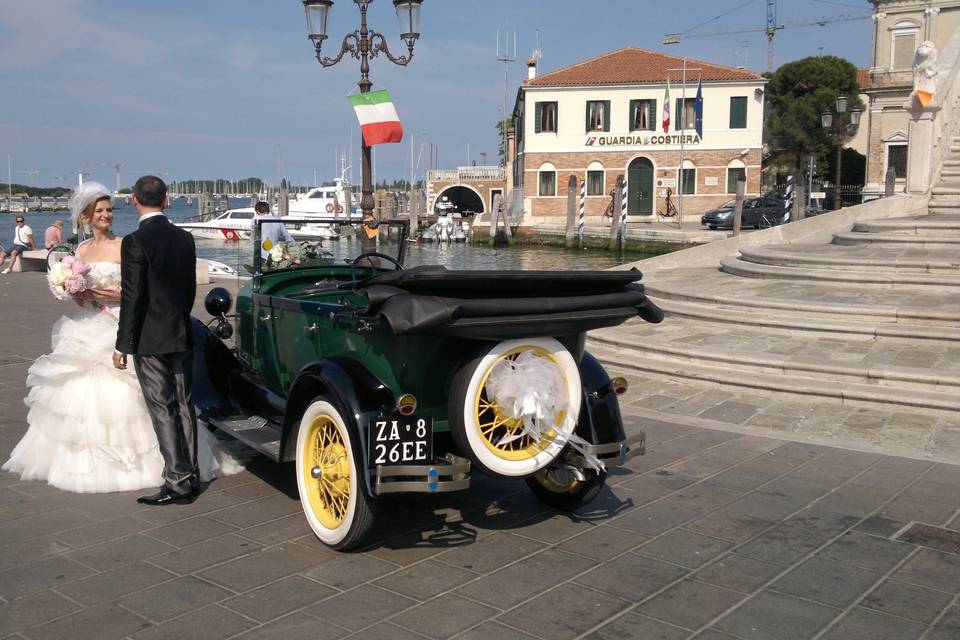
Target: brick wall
x: 709, y: 164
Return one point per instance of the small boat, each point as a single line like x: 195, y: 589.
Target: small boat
x: 215, y: 268
x: 336, y: 200
x: 235, y: 224
x: 449, y: 227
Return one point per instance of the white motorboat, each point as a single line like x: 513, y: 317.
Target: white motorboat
x: 236, y: 224
x: 449, y: 227
x: 335, y: 201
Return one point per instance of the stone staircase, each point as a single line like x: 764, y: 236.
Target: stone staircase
x: 870, y: 319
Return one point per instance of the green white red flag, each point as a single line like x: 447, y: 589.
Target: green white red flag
x: 666, y: 108
x: 378, y: 117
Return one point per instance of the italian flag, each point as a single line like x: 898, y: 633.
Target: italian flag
x: 666, y: 108
x: 378, y: 117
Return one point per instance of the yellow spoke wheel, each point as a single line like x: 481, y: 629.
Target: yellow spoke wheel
x: 497, y: 442
x: 331, y: 492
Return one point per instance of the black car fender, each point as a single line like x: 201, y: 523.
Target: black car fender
x: 354, y: 390
x: 213, y: 364
x: 600, y: 421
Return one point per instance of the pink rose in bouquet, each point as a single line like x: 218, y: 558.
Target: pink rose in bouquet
x: 68, y: 279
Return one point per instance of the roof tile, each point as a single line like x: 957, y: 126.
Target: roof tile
x: 632, y: 65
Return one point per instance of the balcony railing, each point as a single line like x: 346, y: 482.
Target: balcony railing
x: 465, y: 174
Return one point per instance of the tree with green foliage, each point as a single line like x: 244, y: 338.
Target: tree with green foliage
x: 797, y: 94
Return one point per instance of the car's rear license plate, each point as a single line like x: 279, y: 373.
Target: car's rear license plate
x: 401, y: 440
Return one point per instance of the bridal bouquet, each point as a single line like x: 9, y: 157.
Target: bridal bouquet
x: 68, y: 279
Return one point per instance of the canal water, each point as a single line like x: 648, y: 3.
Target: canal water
x: 450, y: 255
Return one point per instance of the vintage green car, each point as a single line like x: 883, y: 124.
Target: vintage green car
x: 376, y: 380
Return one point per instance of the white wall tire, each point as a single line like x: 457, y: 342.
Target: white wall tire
x: 477, y: 427
x: 329, y: 479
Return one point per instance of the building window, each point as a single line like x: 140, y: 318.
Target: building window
x: 903, y: 44
x: 598, y: 115
x: 738, y: 112
x: 897, y: 159
x: 733, y: 175
x: 548, y: 182
x: 643, y: 115
x: 688, y: 181
x: 595, y: 182
x: 545, y: 117
x: 687, y: 118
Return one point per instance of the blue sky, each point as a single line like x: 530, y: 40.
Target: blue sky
x: 214, y: 88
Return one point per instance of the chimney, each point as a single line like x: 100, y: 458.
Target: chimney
x: 531, y: 68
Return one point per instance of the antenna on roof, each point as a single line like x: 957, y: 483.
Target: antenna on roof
x: 507, y: 57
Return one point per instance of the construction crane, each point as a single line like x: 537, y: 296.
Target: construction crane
x: 770, y: 29
x: 33, y: 173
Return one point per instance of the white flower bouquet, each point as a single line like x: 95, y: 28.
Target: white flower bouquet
x: 68, y: 279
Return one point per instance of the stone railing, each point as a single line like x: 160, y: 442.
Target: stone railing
x: 463, y: 174
x: 933, y: 128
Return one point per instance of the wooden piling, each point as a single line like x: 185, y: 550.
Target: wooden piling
x: 571, y: 212
x: 615, y: 216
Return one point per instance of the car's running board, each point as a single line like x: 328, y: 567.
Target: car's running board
x: 256, y: 432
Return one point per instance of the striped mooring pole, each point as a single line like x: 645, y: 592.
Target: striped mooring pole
x: 788, y: 195
x: 583, y: 209
x: 623, y: 214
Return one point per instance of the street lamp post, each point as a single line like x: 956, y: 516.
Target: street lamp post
x: 363, y: 45
x: 833, y: 123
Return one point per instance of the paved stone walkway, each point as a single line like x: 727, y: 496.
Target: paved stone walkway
x: 712, y: 535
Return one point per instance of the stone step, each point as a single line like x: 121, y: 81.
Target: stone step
x: 761, y: 364
x: 945, y: 192
x: 844, y: 392
x: 920, y: 225
x: 816, y: 322
x: 747, y: 302
x: 841, y: 258
x: 874, y: 279
x: 897, y: 238
x: 944, y: 208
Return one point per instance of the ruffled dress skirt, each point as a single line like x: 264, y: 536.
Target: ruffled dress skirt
x: 89, y: 430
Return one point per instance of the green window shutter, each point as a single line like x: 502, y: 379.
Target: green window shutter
x: 677, y: 125
x: 738, y: 113
x: 606, y: 115
x: 537, y: 112
x: 586, y: 126
x: 634, y: 105
x: 654, y: 116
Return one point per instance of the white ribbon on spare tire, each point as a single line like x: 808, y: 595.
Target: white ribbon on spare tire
x: 531, y: 389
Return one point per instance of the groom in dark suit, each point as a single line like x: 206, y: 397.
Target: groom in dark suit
x: 158, y: 275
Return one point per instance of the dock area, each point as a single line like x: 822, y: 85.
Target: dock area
x: 713, y: 533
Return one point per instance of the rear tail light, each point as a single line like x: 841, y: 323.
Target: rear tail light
x: 407, y: 404
x: 618, y: 386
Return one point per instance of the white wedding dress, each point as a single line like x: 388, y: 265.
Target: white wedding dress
x: 88, y: 426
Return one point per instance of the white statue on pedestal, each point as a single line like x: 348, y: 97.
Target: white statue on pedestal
x: 925, y: 73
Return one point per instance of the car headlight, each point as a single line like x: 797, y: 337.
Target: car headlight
x: 724, y: 214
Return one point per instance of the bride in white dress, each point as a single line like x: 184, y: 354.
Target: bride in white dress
x: 88, y: 426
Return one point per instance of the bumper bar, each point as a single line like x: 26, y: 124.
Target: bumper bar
x: 450, y: 473
x: 614, y: 454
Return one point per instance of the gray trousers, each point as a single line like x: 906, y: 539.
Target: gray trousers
x: 167, y: 383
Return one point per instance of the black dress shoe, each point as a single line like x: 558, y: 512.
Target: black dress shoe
x: 166, y: 496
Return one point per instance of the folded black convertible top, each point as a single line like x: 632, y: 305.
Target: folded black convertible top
x: 505, y: 304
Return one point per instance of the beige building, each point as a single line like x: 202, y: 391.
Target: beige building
x: 899, y: 26
x: 602, y: 118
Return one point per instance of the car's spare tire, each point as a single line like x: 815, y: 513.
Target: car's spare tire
x: 513, y: 409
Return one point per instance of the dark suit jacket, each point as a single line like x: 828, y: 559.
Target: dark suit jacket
x: 158, y: 265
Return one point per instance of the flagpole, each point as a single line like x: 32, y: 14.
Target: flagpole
x: 683, y: 130
x: 682, y: 120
